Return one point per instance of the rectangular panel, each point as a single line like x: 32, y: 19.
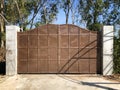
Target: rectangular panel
x: 53, y: 66
x: 22, y: 41
x: 93, y: 53
x: 63, y: 29
x: 33, y: 53
x: 43, y: 66
x: 43, y: 41
x: 84, y: 53
x: 93, y: 41
x: 73, y: 66
x: 22, y: 53
x: 63, y: 66
x: 32, y: 67
x: 84, y: 41
x: 32, y: 32
x: 84, y: 66
x: 73, y: 52
x: 93, y: 67
x: 43, y: 29
x: 63, y: 41
x: 52, y: 41
x: 93, y: 37
x: 94, y: 33
x: 64, y: 54
x: 52, y: 29
x: 74, y: 41
x: 22, y: 66
x: 33, y: 41
x: 73, y: 29
x: 84, y: 32
x: 43, y: 54
x: 53, y: 53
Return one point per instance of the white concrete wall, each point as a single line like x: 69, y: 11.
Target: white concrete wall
x: 11, y: 47
x: 108, y: 35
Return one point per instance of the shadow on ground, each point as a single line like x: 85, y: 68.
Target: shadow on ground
x: 100, y: 85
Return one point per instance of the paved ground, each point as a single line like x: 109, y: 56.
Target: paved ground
x: 58, y: 82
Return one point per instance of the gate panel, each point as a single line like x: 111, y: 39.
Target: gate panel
x: 73, y: 41
x: 43, y: 41
x: 33, y: 41
x: 74, y: 66
x: 52, y: 41
x: 84, y: 66
x: 64, y: 54
x: 22, y: 67
x: 93, y: 65
x: 64, y: 41
x: 32, y: 66
x: 43, y: 66
x: 57, y: 49
x: 43, y: 54
x: 53, y: 66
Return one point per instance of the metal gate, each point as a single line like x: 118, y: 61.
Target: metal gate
x: 57, y: 49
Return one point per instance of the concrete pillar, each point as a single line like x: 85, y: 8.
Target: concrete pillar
x: 11, y: 47
x: 108, y: 35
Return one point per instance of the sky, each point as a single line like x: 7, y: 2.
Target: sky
x: 61, y: 18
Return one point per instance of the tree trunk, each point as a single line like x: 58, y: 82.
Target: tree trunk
x: 2, y: 30
x: 67, y: 14
x: 67, y: 19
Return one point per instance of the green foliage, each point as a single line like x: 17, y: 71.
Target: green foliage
x: 39, y: 24
x: 90, y: 11
x: 99, y: 12
x: 48, y: 13
x: 95, y: 27
x: 117, y: 54
x: 17, y: 11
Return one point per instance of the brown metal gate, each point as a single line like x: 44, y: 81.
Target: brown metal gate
x: 57, y: 49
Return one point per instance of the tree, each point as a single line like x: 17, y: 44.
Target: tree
x: 48, y: 12
x: 37, y: 7
x: 117, y: 54
x: 74, y: 11
x: 112, y: 14
x: 17, y: 11
x: 90, y: 11
x: 66, y: 6
x: 2, y: 30
x: 98, y: 12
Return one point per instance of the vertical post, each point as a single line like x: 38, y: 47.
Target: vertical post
x: 108, y: 35
x: 11, y: 48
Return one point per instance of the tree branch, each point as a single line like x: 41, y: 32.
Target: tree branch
x: 4, y: 18
x: 38, y: 7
